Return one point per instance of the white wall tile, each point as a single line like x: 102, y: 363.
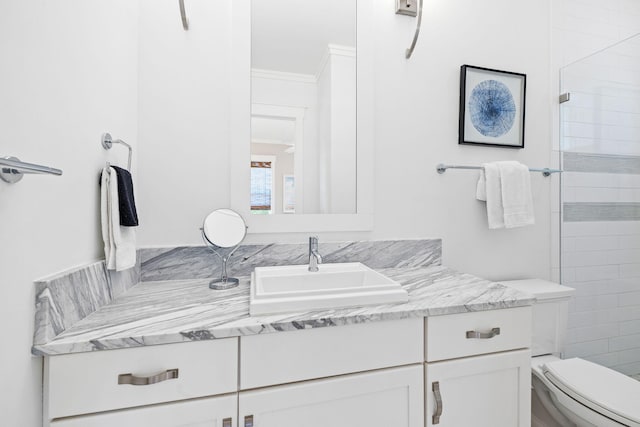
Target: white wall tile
x: 599, y: 272
x: 606, y: 359
x: 630, y: 270
x: 629, y: 299
x: 594, y: 303
x: 629, y: 356
x: 630, y: 241
x: 592, y: 333
x: 568, y: 275
x: 587, y: 348
x: 629, y: 328
x: 595, y: 243
x: 624, y: 342
x: 628, y: 369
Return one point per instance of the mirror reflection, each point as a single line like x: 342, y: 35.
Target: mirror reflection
x: 303, y: 107
x: 224, y: 228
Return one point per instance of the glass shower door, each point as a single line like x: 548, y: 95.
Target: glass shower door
x: 600, y: 205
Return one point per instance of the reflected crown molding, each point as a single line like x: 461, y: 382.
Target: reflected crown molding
x: 334, y: 50
x: 282, y: 75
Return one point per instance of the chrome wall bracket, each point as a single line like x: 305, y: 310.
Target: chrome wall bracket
x: 12, y: 169
x: 407, y: 7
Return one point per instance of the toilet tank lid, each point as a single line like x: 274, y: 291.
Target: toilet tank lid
x: 541, y: 289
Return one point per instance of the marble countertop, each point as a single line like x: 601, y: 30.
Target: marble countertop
x: 174, y: 311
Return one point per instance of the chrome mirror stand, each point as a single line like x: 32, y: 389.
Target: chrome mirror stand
x: 224, y: 282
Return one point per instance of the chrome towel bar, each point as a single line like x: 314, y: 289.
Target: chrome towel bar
x: 12, y: 169
x: 442, y: 168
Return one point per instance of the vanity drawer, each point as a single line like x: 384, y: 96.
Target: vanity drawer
x: 481, y: 332
x: 285, y: 357
x: 84, y: 383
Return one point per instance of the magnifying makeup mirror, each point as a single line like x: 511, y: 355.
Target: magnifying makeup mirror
x: 223, y: 229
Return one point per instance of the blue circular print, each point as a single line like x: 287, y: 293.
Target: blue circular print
x: 492, y: 108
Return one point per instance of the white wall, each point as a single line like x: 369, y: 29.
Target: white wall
x: 69, y: 73
x: 183, y: 118
x: 416, y: 128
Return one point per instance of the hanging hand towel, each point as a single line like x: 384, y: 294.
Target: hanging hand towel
x: 105, y: 219
x: 126, y: 201
x: 119, y: 241
x: 517, y: 201
x: 489, y: 190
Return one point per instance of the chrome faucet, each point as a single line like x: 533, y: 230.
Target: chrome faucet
x: 314, y: 256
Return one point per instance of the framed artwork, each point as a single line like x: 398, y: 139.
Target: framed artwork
x: 492, y: 104
x: 288, y: 194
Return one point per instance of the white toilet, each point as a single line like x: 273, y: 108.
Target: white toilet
x: 571, y: 392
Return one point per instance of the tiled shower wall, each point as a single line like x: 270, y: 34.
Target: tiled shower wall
x: 600, y: 230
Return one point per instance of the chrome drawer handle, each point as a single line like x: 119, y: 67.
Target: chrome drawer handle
x: 169, y: 374
x: 248, y: 421
x: 436, y: 392
x: 483, y: 335
x: 227, y: 422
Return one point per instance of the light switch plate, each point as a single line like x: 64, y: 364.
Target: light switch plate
x: 407, y: 7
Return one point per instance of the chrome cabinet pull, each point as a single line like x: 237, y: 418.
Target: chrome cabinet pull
x: 169, y: 374
x: 227, y: 422
x: 248, y: 421
x: 436, y: 392
x: 483, y: 335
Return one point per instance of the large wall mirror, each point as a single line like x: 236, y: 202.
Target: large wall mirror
x: 303, y: 107
x: 303, y: 143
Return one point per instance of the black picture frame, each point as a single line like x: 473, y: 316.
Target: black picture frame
x: 492, y: 107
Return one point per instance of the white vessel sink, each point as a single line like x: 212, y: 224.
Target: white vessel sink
x: 294, y: 288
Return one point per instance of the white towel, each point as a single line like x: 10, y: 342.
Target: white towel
x: 119, y: 241
x: 489, y: 189
x: 517, y: 201
x: 506, y: 187
x: 105, y: 219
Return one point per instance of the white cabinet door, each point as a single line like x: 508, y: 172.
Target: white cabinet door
x: 481, y: 391
x: 209, y: 412
x: 391, y: 397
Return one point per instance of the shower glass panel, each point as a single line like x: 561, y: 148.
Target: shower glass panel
x: 600, y: 204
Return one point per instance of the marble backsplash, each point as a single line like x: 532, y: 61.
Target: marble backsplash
x: 64, y: 299
x: 200, y: 263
